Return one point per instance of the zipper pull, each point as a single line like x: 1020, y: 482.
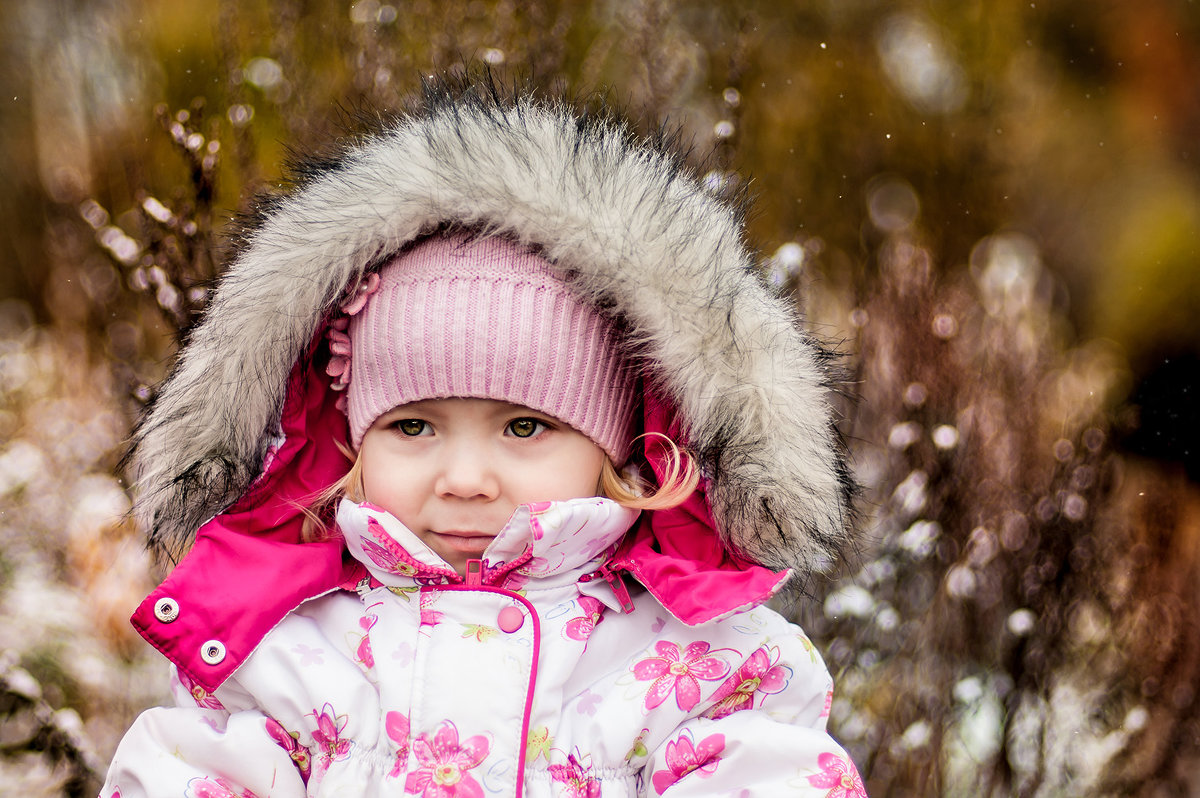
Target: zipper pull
x: 618, y: 586
x: 474, y: 573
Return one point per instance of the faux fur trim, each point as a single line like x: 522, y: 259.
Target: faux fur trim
x: 634, y: 228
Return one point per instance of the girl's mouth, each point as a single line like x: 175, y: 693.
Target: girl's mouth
x: 465, y: 542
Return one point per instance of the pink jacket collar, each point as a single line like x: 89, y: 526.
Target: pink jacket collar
x: 248, y: 568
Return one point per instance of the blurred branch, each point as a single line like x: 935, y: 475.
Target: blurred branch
x: 165, y: 249
x: 33, y: 727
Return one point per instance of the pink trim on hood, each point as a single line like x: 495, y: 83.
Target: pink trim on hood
x: 248, y: 568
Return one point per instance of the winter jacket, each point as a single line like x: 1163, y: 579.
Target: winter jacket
x: 726, y: 697
x: 535, y: 676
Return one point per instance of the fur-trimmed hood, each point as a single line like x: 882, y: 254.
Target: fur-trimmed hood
x: 628, y: 223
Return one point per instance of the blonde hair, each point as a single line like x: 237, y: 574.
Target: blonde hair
x: 321, y: 505
x: 680, y: 479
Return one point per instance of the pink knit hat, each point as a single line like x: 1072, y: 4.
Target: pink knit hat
x: 483, y: 318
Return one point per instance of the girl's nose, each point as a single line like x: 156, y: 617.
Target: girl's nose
x: 467, y: 473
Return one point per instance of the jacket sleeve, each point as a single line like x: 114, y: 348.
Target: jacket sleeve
x: 203, y: 750
x: 761, y: 733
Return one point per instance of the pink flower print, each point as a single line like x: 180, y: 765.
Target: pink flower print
x: 202, y: 697
x: 308, y: 656
x: 363, y: 652
x: 825, y: 710
x: 535, y: 525
x: 429, y: 616
x: 576, y: 779
x: 444, y: 764
x: 516, y: 580
x: 385, y: 559
x: 404, y: 653
x: 760, y: 673
x: 214, y: 787
x: 581, y: 628
x: 839, y: 774
x: 588, y: 702
x: 678, y: 673
x: 396, y: 726
x: 328, y: 737
x: 540, y: 566
x: 684, y: 757
x: 593, y: 547
x: 287, y: 741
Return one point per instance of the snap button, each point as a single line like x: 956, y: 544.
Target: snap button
x: 510, y: 619
x: 213, y: 652
x: 166, y: 609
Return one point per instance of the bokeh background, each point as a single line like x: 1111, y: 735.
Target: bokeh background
x: 991, y: 209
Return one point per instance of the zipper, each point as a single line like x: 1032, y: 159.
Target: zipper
x: 616, y: 583
x: 474, y: 573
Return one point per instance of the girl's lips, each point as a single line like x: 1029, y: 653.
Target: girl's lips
x: 465, y: 542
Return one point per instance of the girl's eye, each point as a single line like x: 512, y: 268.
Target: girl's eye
x: 525, y: 427
x: 412, y: 426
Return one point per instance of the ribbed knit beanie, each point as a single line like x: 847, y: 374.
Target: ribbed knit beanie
x: 482, y: 317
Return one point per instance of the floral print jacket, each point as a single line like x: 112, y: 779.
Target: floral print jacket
x: 541, y: 673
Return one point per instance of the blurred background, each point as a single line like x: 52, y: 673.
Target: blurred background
x: 991, y: 209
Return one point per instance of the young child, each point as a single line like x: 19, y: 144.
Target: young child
x: 585, y: 446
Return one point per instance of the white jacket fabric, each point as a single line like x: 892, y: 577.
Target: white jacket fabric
x: 414, y: 685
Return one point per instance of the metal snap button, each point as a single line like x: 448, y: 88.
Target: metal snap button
x: 510, y: 619
x: 166, y: 609
x: 213, y: 652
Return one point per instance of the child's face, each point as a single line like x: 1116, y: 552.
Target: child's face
x: 453, y: 470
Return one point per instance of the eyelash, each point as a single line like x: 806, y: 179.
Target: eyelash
x: 539, y: 427
x: 401, y: 422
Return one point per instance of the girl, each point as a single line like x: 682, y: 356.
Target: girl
x: 504, y: 312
